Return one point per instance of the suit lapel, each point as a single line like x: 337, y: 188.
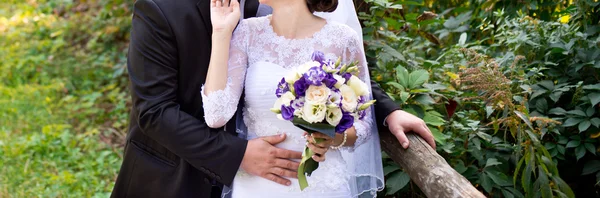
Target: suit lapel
x: 204, y: 9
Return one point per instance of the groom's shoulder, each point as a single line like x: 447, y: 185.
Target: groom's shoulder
x: 168, y: 7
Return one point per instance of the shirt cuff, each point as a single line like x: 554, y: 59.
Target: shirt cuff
x: 384, y: 120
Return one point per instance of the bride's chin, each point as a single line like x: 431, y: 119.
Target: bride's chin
x: 266, y: 2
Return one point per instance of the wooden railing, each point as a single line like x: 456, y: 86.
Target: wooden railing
x: 427, y: 169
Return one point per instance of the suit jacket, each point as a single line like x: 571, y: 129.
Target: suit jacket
x: 170, y: 151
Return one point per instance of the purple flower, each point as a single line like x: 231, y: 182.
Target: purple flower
x: 300, y: 86
x: 329, y: 80
x: 298, y: 103
x: 346, y: 123
x: 347, y: 76
x: 362, y: 114
x: 315, y: 75
x: 287, y: 112
x: 361, y: 100
x: 318, y: 56
x: 282, y: 87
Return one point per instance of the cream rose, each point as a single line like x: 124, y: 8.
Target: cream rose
x: 314, y: 113
x: 286, y: 99
x: 317, y: 94
x: 349, y: 98
x: 359, y: 87
x: 334, y: 115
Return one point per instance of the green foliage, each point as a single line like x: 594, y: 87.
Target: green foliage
x: 63, y: 105
x: 513, y: 85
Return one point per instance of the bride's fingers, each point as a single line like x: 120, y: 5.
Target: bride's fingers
x: 218, y: 4
x: 318, y: 158
x: 318, y: 150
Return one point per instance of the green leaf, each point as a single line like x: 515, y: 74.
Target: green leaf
x: 390, y: 168
x: 561, y: 149
x: 404, y: 96
x: 402, y: 76
x: 544, y: 184
x: 590, y: 167
x: 396, y: 85
x: 557, y: 111
x: 584, y: 125
x: 424, y: 99
x: 492, y: 162
x: 563, y: 186
x: 307, y: 166
x: 396, y: 181
x: 417, y: 78
x: 486, y: 182
x: 433, y: 120
x: 315, y: 127
x: 594, y: 98
x: 580, y: 152
x: 573, y: 143
x: 572, y: 122
x: 463, y: 39
x: 577, y: 112
x: 525, y: 119
x: 438, y: 136
x: 590, y: 147
x: 590, y: 111
x: 488, y: 111
x: 595, y: 122
x: 499, y: 178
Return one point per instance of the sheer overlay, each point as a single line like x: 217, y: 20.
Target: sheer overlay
x: 258, y: 59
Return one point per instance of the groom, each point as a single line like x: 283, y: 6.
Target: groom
x: 170, y: 151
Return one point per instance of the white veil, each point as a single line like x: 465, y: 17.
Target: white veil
x: 365, y: 161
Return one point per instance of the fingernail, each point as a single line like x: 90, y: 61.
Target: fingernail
x: 288, y: 183
x: 281, y: 135
x: 405, y: 144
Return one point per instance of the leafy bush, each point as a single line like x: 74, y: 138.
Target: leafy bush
x: 514, y: 84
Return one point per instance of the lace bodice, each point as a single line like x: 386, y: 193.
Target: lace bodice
x: 258, y: 59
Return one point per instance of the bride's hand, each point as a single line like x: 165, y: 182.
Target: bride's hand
x: 321, y: 148
x: 224, y: 15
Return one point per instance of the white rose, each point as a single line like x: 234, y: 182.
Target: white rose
x: 317, y: 94
x: 359, y: 87
x: 340, y: 80
x: 334, y: 115
x: 314, y: 113
x: 303, y: 68
x: 349, y: 98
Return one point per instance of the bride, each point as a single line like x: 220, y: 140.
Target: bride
x: 253, y: 59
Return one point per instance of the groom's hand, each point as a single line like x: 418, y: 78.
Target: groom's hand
x: 267, y: 161
x: 401, y: 122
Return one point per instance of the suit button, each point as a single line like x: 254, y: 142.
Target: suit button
x: 213, y: 175
x: 206, y: 180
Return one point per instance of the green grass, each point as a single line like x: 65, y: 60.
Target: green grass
x: 63, y: 102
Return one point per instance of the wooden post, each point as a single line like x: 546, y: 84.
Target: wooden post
x: 428, y: 169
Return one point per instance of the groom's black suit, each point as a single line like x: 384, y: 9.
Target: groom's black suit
x: 170, y: 151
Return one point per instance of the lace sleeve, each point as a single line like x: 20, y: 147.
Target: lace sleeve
x: 220, y: 106
x: 354, y: 52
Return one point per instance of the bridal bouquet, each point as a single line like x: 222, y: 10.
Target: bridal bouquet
x: 321, y: 96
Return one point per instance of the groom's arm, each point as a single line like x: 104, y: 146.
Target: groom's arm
x: 153, y: 71
x: 384, y: 105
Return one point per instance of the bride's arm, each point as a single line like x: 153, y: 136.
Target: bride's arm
x: 227, y: 69
x: 361, y: 130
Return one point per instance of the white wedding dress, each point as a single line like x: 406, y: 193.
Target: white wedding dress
x: 258, y: 59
